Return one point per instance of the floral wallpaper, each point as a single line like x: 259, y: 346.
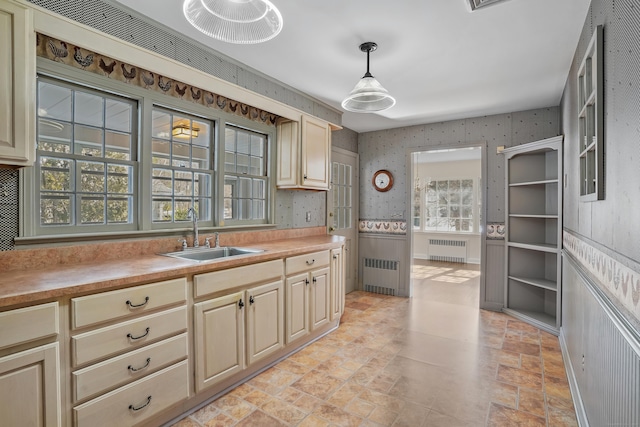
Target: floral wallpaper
x: 84, y: 59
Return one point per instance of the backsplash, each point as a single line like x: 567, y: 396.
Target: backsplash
x: 24, y: 259
x: 8, y: 208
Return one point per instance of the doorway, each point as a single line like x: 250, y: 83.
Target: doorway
x: 446, y: 223
x: 343, y: 209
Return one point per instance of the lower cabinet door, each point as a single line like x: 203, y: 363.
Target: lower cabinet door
x: 297, y: 307
x: 137, y: 401
x: 320, y: 298
x: 30, y: 388
x: 219, y: 339
x: 265, y: 320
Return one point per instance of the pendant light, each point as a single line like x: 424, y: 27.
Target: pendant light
x: 234, y: 21
x: 368, y: 96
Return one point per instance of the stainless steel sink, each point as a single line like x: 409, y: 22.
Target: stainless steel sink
x: 209, y: 254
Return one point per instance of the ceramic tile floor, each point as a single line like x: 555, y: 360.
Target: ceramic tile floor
x: 432, y: 360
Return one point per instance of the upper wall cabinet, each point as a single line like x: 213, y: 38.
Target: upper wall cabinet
x: 303, y: 154
x: 17, y: 85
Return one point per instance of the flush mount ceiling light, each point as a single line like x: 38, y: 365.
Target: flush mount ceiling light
x: 368, y: 96
x: 234, y: 21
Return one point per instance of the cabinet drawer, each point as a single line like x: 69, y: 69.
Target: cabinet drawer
x: 307, y: 262
x: 138, y: 401
x: 28, y: 324
x: 216, y: 281
x: 112, y: 305
x: 128, y: 335
x: 130, y: 366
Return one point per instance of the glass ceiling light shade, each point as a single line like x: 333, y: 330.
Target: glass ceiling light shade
x: 234, y: 21
x: 368, y: 96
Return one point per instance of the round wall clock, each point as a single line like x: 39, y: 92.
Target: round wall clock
x: 382, y: 180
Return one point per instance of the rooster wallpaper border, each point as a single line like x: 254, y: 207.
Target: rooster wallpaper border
x: 87, y: 60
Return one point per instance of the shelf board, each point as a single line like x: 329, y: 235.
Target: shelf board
x: 544, y: 216
x: 544, y: 247
x: 540, y: 283
x: 542, y: 321
x: 541, y: 182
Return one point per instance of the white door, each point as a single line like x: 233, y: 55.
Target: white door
x: 342, y: 209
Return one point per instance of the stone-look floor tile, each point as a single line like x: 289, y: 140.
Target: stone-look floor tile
x: 242, y: 390
x: 258, y: 398
x: 317, y: 384
x: 383, y: 416
x: 562, y: 417
x: 234, y: 406
x: 313, y: 421
x: 436, y: 419
x: 522, y: 347
x: 259, y: 418
x: 531, y: 363
x: 293, y: 367
x: 382, y: 399
x: 205, y: 413
x: 557, y: 387
x: 289, y: 395
x: 187, y: 422
x: 411, y: 415
x: 519, y: 377
x: 360, y: 408
x: 560, y: 403
x: 517, y: 325
x: 509, y: 358
x: 345, y: 394
x: 341, y: 374
x: 284, y: 411
x: 532, y: 402
x: 504, y: 394
x: 220, y: 420
x: 308, y: 403
x: 351, y: 365
x: 553, y: 368
x: 503, y: 416
x: 337, y: 416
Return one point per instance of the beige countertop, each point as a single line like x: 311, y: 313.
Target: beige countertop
x: 32, y: 285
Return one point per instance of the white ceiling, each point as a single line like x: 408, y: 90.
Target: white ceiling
x: 439, y: 60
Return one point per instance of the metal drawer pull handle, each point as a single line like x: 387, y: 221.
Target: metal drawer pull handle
x: 131, y: 337
x: 132, y: 305
x: 132, y: 369
x: 133, y: 408
x: 311, y: 263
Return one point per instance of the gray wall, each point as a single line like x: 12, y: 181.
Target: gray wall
x: 346, y: 139
x: 387, y: 149
x: 610, y: 225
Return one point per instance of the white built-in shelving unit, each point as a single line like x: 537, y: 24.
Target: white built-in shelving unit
x: 534, y: 232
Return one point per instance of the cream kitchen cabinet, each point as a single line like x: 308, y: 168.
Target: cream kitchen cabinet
x: 30, y: 378
x: 303, y: 152
x: 129, y: 353
x: 337, y: 283
x: 17, y: 85
x: 235, y: 330
x: 308, y: 294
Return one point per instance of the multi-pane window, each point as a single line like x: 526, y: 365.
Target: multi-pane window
x: 85, y: 157
x: 245, y: 175
x: 342, y: 195
x: 450, y: 205
x: 182, y: 170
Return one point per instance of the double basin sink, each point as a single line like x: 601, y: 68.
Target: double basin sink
x: 210, y: 254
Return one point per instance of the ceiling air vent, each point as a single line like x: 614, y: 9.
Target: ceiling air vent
x: 477, y: 4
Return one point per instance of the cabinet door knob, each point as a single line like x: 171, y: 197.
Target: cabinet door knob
x: 306, y: 281
x: 251, y: 300
x: 240, y: 303
x: 314, y: 280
